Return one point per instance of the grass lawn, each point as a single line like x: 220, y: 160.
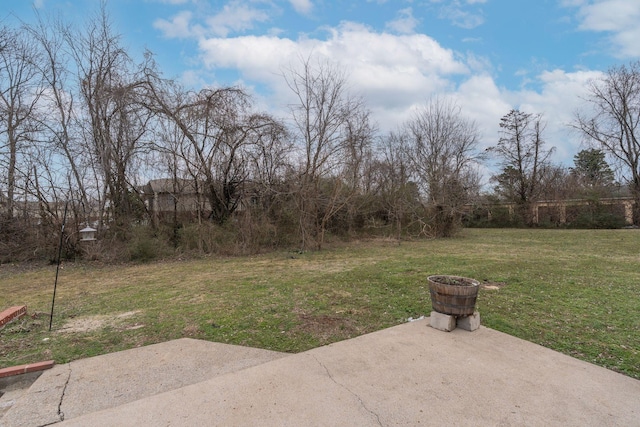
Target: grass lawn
x: 575, y: 291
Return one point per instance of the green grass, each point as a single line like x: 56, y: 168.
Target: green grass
x: 576, y: 291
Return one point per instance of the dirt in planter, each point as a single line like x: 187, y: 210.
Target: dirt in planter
x: 449, y: 280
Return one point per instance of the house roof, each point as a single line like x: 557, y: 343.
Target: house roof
x: 168, y: 185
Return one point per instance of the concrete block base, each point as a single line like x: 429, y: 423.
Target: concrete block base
x: 442, y: 322
x: 447, y: 322
x: 469, y: 323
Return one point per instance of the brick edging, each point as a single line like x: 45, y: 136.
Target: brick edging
x: 12, y: 313
x: 25, y: 369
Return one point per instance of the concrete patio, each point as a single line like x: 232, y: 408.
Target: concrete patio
x: 406, y: 375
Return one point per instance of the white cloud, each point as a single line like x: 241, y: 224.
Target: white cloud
x: 482, y: 101
x: 235, y: 16
x: 562, y: 94
x: 405, y: 23
x: 610, y: 15
x: 459, y: 15
x: 461, y: 18
x: 192, y: 78
x: 302, y: 6
x: 396, y: 73
x: 392, y: 72
x: 394, y: 60
x: 177, y: 27
x: 619, y: 18
x: 257, y: 57
x: 629, y: 42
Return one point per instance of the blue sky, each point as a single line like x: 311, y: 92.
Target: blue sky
x: 489, y: 55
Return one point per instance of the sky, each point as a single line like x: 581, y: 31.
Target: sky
x: 489, y: 56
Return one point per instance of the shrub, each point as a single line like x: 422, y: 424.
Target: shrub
x: 145, y: 246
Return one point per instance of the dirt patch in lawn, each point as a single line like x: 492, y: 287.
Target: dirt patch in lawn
x: 96, y: 322
x: 324, y: 326
x: 491, y: 286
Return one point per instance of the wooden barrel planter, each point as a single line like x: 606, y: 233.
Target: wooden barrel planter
x: 453, y: 295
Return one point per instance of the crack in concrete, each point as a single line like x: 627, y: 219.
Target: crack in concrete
x: 349, y: 390
x: 64, y: 390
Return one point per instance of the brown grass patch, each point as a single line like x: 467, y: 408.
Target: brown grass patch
x: 491, y: 286
x: 96, y: 322
x: 324, y: 327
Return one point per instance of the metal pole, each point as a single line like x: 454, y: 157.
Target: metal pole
x: 55, y: 285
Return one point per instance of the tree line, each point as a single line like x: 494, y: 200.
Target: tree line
x: 84, y: 126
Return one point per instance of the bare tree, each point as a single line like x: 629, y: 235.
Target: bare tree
x: 613, y: 123
x: 61, y: 126
x: 209, y: 121
x: 218, y: 139
x: 269, y: 163
x: 20, y: 91
x: 332, y: 129
x: 523, y: 158
x: 397, y: 195
x: 441, y: 145
x: 112, y: 88
x: 360, y: 132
